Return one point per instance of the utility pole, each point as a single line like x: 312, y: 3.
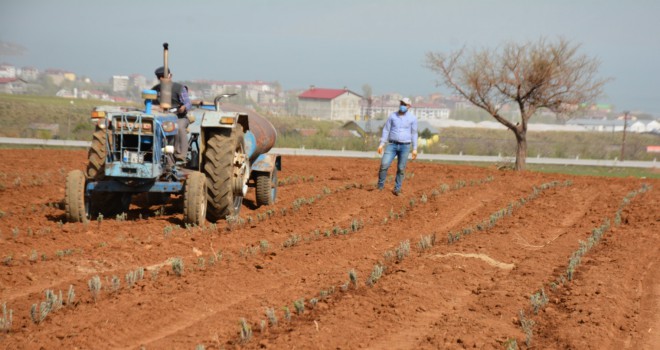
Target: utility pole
x: 623, y: 142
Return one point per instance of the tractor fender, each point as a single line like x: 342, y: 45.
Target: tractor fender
x: 266, y: 163
x: 213, y: 121
x: 216, y: 119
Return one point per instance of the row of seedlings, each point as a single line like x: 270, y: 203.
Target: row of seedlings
x: 539, y: 299
x: 292, y: 180
x: 435, y: 192
x: 53, y: 302
x: 235, y: 222
x: 491, y: 221
x: 397, y: 255
x: 299, y: 306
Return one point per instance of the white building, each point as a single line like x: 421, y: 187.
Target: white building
x: 329, y: 104
x: 653, y: 126
x: 425, y: 111
x: 7, y: 71
x: 29, y: 73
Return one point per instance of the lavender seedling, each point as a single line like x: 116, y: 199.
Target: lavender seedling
x: 538, y: 300
x: 34, y: 256
x: 425, y: 242
x: 94, y: 286
x: 272, y: 318
x: 139, y: 273
x: 263, y: 245
x: 356, y: 225
x: 177, y: 266
x: 376, y: 274
x: 70, y: 296
x: 246, y: 331
x: 352, y: 276
x: 527, y: 326
x: 299, y: 305
x: 287, y: 314
x: 313, y: 302
x: 7, y: 318
x: 511, y: 344
x: 403, y: 250
x: 116, y: 283
x: 291, y: 241
x: 130, y: 279
x: 154, y: 273
x: 39, y: 312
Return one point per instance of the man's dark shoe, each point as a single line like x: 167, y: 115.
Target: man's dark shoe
x: 396, y: 192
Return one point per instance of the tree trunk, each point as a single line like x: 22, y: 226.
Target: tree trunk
x: 521, y: 151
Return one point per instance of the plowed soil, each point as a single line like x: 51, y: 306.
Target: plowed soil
x: 512, y: 236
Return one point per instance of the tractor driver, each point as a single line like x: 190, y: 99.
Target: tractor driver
x: 181, y: 102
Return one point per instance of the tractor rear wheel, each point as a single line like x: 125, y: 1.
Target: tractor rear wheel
x: 74, y: 197
x: 226, y: 167
x: 97, y: 155
x: 194, y: 199
x: 266, y: 188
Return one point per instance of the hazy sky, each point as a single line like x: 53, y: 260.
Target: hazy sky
x: 331, y: 43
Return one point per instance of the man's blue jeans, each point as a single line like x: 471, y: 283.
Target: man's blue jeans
x: 399, y: 150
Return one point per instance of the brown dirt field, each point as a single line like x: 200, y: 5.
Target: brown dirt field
x: 467, y: 294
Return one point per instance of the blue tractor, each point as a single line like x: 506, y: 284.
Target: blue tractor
x: 132, y: 155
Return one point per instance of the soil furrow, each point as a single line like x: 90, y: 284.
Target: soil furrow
x: 450, y: 296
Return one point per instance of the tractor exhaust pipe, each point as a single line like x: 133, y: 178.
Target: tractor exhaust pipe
x: 166, y: 82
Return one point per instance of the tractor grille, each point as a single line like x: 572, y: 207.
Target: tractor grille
x: 133, y: 139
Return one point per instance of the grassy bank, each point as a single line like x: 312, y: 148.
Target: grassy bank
x: 71, y: 116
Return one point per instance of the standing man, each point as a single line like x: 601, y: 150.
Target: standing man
x: 181, y: 102
x: 399, y: 133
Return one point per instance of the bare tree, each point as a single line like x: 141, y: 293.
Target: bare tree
x: 531, y: 76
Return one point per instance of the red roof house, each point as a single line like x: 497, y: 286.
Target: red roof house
x: 331, y: 104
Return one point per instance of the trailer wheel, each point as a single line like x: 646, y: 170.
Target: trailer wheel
x: 74, y: 197
x: 194, y: 199
x: 226, y: 167
x: 97, y: 155
x: 266, y: 188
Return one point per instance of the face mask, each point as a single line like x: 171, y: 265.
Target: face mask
x: 403, y: 108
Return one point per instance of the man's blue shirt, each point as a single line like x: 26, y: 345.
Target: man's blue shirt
x: 400, y: 128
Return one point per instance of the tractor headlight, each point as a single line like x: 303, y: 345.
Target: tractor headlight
x: 227, y: 120
x: 169, y: 126
x: 98, y: 114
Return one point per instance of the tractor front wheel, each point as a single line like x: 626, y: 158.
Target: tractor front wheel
x: 194, y: 199
x: 74, y: 198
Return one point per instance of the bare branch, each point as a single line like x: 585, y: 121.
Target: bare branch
x: 532, y: 75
